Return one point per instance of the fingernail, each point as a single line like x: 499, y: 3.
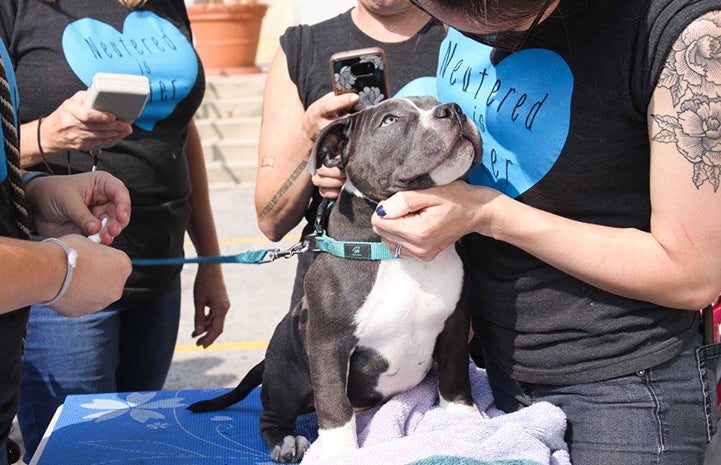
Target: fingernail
x: 380, y: 211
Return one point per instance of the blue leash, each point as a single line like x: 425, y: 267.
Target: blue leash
x: 324, y: 243
x: 251, y: 257
x: 351, y: 250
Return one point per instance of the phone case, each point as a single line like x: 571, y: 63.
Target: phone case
x: 123, y: 95
x: 362, y: 71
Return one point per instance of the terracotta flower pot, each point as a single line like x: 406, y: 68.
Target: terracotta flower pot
x: 226, y: 36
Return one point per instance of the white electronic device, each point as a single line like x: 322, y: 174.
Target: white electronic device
x: 123, y: 95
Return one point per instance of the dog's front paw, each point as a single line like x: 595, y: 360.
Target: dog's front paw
x: 332, y: 442
x: 291, y: 449
x: 458, y: 407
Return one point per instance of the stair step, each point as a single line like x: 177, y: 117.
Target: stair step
x: 231, y: 150
x: 237, y: 107
x: 213, y: 129
x: 228, y: 121
x: 230, y: 173
x: 244, y: 85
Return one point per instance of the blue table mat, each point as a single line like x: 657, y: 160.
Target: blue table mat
x: 155, y: 428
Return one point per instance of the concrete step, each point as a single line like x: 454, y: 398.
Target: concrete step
x: 231, y: 150
x: 222, y: 172
x: 228, y: 121
x: 243, y: 85
x: 236, y: 107
x: 216, y: 129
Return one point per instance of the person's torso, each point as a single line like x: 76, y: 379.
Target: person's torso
x: 58, y: 48
x: 564, y: 130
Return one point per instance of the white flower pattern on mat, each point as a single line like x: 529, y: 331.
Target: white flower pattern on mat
x: 139, y: 405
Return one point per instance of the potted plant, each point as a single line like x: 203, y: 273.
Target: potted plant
x: 226, y: 34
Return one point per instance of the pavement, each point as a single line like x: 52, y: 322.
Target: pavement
x: 259, y: 296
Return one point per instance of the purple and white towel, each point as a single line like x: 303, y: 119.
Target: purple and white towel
x: 411, y: 429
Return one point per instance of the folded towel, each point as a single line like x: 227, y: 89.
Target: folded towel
x: 411, y: 429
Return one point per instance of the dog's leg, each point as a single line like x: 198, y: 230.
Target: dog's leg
x: 329, y: 373
x: 282, y: 404
x: 286, y: 391
x: 452, y: 356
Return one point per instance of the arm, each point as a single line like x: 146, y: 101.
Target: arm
x: 676, y: 264
x: 33, y: 272
x: 283, y: 188
x: 72, y: 126
x: 209, y: 289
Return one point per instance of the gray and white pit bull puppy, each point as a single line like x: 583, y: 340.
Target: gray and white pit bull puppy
x: 366, y: 330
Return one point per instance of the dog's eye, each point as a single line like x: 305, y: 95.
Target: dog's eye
x: 388, y: 120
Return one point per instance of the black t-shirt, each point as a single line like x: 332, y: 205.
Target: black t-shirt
x: 57, y: 49
x: 308, y: 49
x: 565, y: 130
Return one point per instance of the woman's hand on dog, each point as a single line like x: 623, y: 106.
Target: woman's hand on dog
x: 428, y: 221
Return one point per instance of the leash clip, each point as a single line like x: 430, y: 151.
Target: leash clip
x: 295, y: 249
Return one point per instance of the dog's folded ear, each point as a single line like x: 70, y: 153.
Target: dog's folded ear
x: 330, y: 146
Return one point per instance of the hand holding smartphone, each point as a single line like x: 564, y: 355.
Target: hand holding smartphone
x: 362, y: 71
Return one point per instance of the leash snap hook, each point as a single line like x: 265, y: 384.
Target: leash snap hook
x: 293, y: 250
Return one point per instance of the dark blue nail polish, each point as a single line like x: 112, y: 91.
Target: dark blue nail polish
x: 380, y: 211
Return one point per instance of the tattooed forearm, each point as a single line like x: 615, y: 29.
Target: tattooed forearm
x: 281, y: 192
x: 692, y: 75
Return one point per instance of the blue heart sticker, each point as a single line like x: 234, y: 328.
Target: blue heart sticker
x: 148, y: 45
x: 522, y: 106
x: 419, y: 87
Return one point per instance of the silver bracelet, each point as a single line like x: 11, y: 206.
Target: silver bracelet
x: 72, y: 259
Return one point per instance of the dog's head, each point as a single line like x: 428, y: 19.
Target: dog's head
x: 400, y: 144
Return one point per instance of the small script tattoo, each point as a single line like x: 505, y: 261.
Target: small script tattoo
x: 693, y: 77
x: 281, y: 192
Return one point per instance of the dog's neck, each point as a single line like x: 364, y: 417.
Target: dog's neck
x: 350, y: 217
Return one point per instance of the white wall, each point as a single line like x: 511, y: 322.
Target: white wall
x: 284, y: 13
x: 313, y: 11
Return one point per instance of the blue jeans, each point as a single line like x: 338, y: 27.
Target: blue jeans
x: 3, y: 453
x: 663, y: 415
x: 125, y: 347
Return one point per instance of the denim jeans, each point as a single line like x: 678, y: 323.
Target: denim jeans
x: 125, y: 347
x: 3, y: 453
x: 663, y: 415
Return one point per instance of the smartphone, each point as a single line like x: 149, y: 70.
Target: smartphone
x: 123, y: 95
x: 362, y: 71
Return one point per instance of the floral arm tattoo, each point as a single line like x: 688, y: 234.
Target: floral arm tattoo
x: 693, y: 77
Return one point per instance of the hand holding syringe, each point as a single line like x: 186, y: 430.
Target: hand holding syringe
x: 96, y: 237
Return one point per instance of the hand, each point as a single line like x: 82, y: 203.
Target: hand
x: 75, y: 204
x: 329, y: 181
x: 325, y: 110
x: 209, y: 292
x: 98, y: 278
x: 427, y: 222
x: 73, y: 126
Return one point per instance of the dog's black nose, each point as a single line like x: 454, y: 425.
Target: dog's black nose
x: 447, y: 110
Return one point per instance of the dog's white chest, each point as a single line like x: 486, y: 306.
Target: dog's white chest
x: 404, y: 313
